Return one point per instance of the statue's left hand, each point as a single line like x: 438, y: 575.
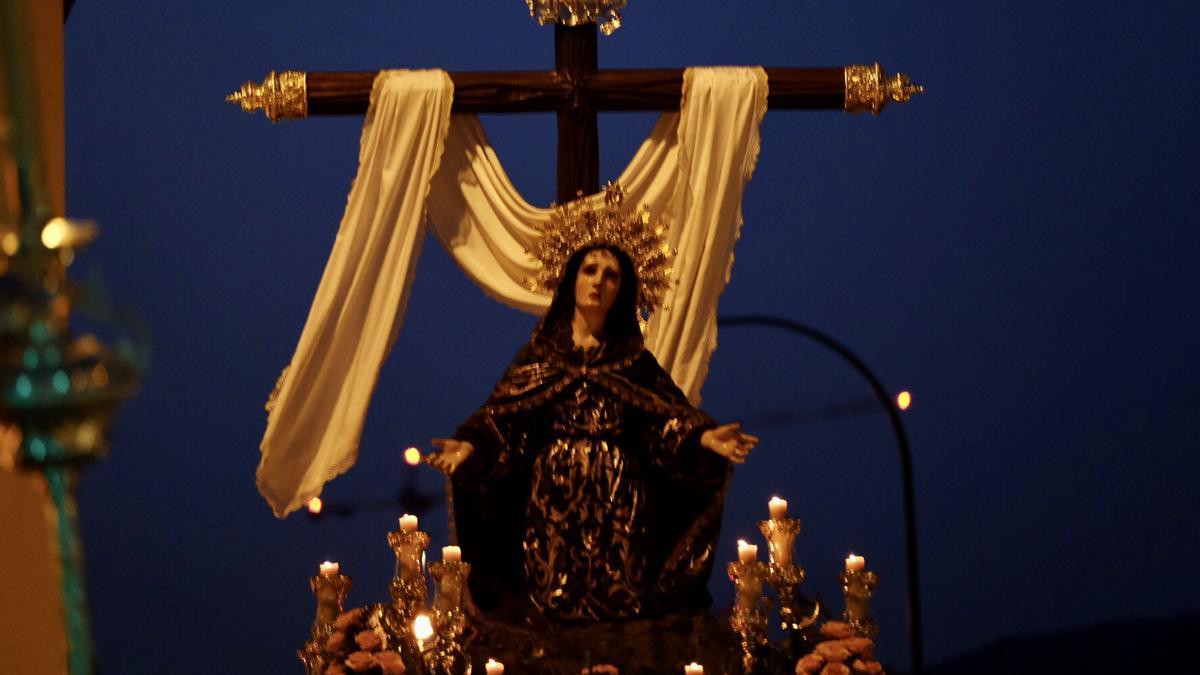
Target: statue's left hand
x: 729, y: 441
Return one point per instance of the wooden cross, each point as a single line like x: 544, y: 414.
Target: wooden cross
x: 576, y: 90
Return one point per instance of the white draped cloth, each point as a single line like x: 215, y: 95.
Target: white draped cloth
x: 417, y: 159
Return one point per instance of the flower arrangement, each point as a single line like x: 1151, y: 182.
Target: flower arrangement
x: 358, y: 644
x: 844, y: 652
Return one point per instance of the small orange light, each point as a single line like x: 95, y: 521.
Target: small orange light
x: 412, y: 456
x: 314, y: 505
x: 903, y: 400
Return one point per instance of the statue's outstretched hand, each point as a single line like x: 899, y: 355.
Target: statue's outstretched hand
x: 450, y: 455
x: 729, y: 441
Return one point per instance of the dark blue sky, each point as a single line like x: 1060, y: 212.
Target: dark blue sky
x: 1018, y: 247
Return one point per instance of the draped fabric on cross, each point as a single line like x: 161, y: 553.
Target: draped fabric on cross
x: 692, y: 169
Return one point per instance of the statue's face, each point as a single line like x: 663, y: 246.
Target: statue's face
x: 598, y: 281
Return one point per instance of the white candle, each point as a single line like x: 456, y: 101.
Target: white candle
x: 494, y: 667
x: 408, y: 523
x: 855, y: 563
x: 329, y: 568
x: 451, y: 553
x: 747, y: 552
x: 778, y: 508
x: 693, y: 668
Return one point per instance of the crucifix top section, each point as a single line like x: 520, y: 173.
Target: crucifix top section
x: 576, y: 90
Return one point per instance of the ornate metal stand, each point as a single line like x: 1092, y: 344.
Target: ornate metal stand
x: 447, y: 656
x: 750, y: 611
x: 795, y: 613
x: 857, y: 586
x: 409, y: 585
x: 331, y: 590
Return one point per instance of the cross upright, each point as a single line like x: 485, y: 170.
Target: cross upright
x: 576, y: 90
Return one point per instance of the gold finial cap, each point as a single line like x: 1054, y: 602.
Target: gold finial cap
x: 869, y: 88
x: 280, y: 95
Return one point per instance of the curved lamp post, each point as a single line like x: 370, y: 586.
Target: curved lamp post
x: 885, y: 400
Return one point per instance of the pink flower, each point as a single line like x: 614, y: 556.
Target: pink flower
x: 360, y: 662
x: 809, y: 664
x: 390, y: 662
x: 336, y: 642
x: 832, y: 651
x: 837, y: 630
x: 867, y: 667
x: 346, y: 619
x: 860, y: 646
x: 368, y: 641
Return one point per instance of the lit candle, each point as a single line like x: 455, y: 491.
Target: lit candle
x: 329, y: 568
x: 422, y: 630
x: 494, y: 667
x: 408, y: 523
x: 451, y: 553
x: 778, y: 508
x: 855, y: 563
x: 693, y: 668
x: 747, y: 552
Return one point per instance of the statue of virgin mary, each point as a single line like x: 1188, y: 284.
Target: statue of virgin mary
x: 587, y: 488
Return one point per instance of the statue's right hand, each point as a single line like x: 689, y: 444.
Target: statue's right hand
x: 450, y: 455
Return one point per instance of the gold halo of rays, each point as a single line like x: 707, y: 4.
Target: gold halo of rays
x: 640, y: 235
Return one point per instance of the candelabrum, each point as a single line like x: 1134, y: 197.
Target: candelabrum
x: 857, y: 586
x: 446, y: 657
x: 424, y: 642
x: 331, y: 590
x: 408, y: 585
x: 795, y: 613
x: 448, y: 616
x: 750, y: 610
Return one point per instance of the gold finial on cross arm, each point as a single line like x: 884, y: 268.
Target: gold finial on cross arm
x: 869, y: 89
x: 280, y: 96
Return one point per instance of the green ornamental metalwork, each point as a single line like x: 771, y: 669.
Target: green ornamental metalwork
x: 58, y: 388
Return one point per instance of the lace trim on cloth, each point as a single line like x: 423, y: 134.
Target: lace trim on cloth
x: 316, y: 416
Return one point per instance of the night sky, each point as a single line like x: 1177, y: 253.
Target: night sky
x: 1018, y: 247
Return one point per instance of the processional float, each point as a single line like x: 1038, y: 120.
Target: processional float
x: 407, y: 636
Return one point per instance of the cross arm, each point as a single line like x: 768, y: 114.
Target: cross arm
x: 294, y: 94
x: 348, y: 93
x: 661, y: 89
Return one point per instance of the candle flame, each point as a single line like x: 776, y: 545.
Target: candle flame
x: 315, y: 505
x: 412, y: 456
x: 903, y: 400
x: 422, y: 627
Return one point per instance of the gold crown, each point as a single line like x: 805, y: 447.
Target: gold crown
x: 576, y: 225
